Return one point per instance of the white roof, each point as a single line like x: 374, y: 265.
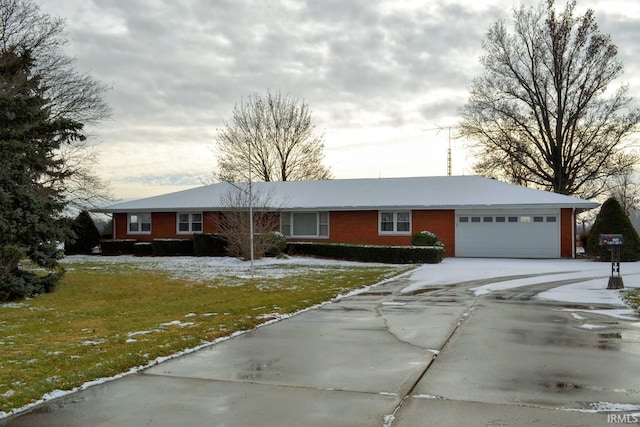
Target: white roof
x: 448, y: 192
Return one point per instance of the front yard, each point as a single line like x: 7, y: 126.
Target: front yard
x: 110, y: 315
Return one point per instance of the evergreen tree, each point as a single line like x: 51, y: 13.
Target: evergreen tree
x: 86, y: 235
x: 31, y: 178
x: 612, y: 220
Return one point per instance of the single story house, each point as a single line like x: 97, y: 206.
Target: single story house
x: 472, y: 215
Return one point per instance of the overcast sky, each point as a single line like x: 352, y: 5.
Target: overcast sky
x: 378, y: 77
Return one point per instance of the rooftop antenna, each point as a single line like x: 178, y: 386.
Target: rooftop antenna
x: 439, y: 129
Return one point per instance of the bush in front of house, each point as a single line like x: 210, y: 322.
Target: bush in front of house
x: 117, y: 247
x: 613, y: 220
x: 87, y: 236
x: 142, y: 249
x: 278, y: 243
x: 370, y: 253
x: 425, y: 238
x: 172, y: 247
x: 209, y: 244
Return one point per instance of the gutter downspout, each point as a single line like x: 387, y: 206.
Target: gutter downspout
x: 573, y: 233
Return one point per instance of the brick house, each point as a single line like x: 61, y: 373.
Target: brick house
x: 473, y: 216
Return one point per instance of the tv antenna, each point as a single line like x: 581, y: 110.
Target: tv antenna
x: 439, y: 129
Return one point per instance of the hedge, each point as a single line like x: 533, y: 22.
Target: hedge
x: 369, y: 253
x: 209, y: 244
x: 142, y: 249
x: 118, y: 246
x: 172, y: 247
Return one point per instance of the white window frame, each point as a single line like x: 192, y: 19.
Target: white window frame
x: 287, y: 219
x: 191, y: 222
x: 395, y: 231
x: 139, y: 224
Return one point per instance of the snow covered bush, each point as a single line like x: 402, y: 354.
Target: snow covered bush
x: 142, y: 249
x: 425, y: 238
x: 278, y: 243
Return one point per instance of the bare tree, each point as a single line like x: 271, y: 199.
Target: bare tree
x: 626, y: 190
x: 277, y: 132
x: 234, y: 222
x: 542, y: 114
x: 70, y: 94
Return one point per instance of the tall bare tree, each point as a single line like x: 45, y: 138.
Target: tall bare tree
x: 277, y: 133
x: 542, y: 113
x: 626, y: 190
x: 235, y: 224
x: 69, y: 94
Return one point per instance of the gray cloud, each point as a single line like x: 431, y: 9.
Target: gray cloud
x: 178, y: 68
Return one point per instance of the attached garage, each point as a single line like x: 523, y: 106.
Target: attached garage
x: 508, y: 233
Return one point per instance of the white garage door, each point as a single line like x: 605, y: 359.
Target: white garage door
x: 508, y: 234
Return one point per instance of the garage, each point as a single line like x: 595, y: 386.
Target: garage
x: 508, y: 234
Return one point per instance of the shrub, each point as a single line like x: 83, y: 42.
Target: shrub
x: 278, y: 243
x: 209, y: 244
x: 86, y: 234
x: 142, y: 249
x: 24, y: 284
x: 612, y: 220
x: 118, y: 247
x: 368, y: 253
x: 172, y: 247
x: 425, y: 238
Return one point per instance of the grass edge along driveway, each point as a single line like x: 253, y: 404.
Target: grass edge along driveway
x: 106, y: 318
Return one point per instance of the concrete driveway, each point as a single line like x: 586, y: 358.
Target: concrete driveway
x: 435, y: 357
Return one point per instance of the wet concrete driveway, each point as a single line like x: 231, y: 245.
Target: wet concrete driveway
x: 437, y: 357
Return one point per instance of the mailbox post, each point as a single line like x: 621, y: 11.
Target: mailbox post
x: 614, y: 243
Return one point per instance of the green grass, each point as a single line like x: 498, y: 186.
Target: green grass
x: 632, y: 297
x: 106, y: 318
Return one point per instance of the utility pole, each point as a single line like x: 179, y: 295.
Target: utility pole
x: 250, y: 210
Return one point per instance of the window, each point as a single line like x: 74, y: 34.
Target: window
x: 513, y: 219
x: 139, y: 223
x: 525, y: 219
x: 551, y: 219
x: 304, y: 224
x: 487, y: 219
x: 475, y: 219
x: 189, y: 222
x: 395, y: 222
x: 464, y: 219
x: 538, y: 219
x: 500, y: 219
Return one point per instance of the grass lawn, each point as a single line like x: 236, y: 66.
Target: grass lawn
x: 107, y: 317
x: 632, y: 297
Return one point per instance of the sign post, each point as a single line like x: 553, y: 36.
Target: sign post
x: 614, y: 242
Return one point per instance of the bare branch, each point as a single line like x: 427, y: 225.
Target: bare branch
x: 279, y: 133
x: 541, y: 114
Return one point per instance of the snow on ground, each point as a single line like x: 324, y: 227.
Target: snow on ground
x: 500, y: 274
x: 202, y: 268
x: 506, y: 272
x: 590, y: 288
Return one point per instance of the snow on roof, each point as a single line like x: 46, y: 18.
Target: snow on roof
x: 447, y: 192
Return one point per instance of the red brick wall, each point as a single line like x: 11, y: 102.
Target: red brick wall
x: 362, y: 227
x: 120, y: 226
x: 163, y: 225
x: 567, y: 228
x: 344, y: 227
